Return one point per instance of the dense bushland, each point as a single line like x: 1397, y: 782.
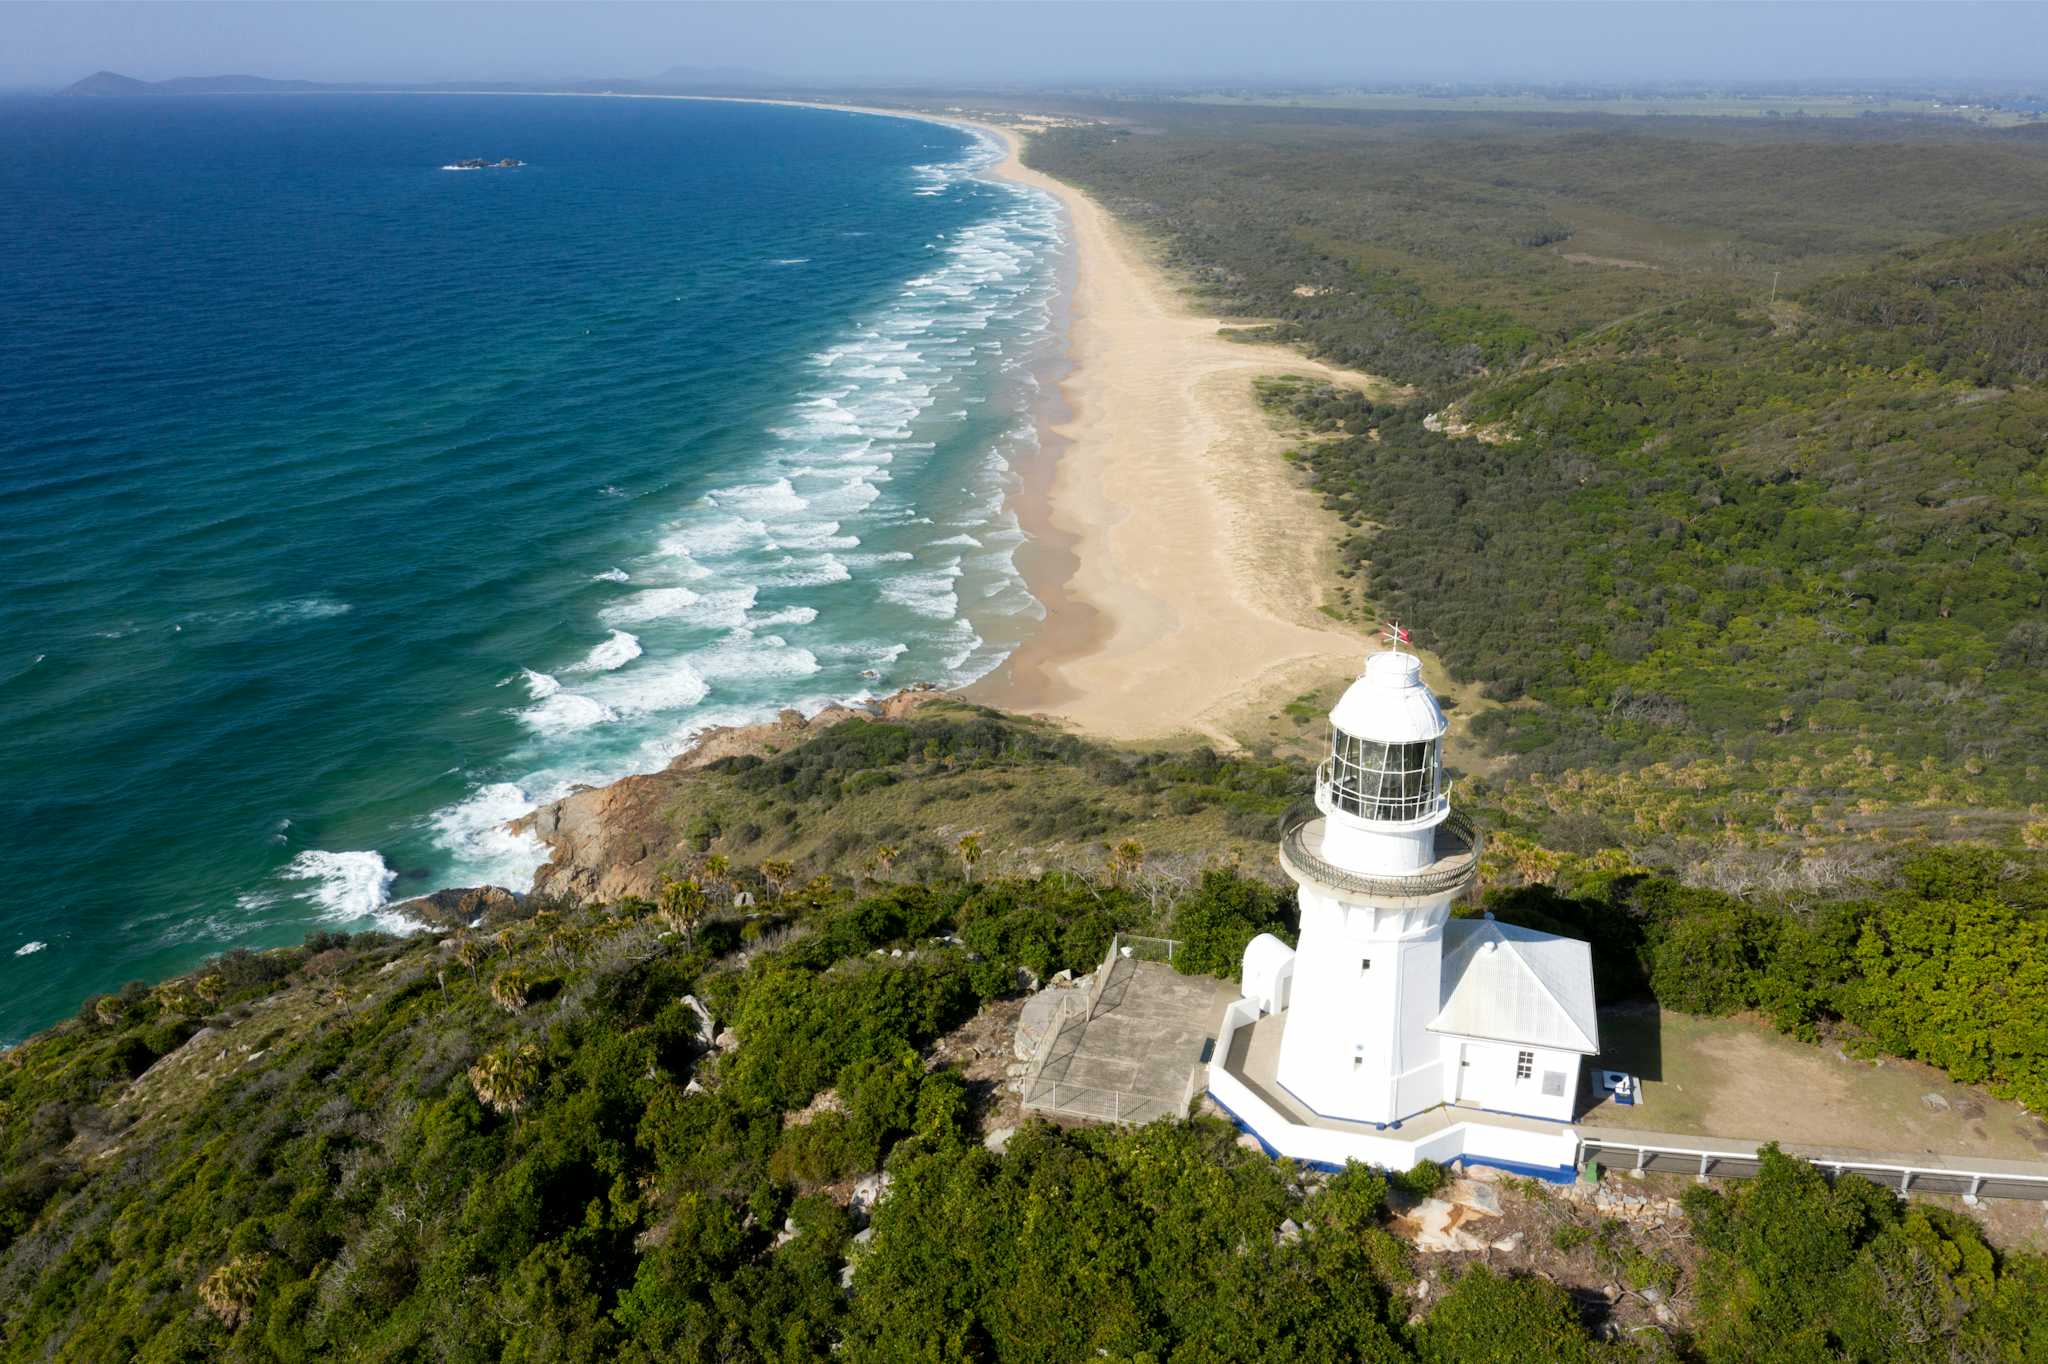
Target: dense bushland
x: 519, y: 1144
x: 1755, y: 528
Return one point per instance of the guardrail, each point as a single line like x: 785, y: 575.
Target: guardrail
x: 1457, y: 847
x: 1973, y: 1180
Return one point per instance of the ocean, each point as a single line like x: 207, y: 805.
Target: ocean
x: 351, y: 505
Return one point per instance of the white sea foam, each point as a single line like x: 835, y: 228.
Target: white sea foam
x: 653, y: 604
x: 865, y: 453
x: 486, y: 851
x: 347, y: 885
x: 29, y: 949
x: 615, y: 652
x: 651, y: 688
x: 565, y: 712
x: 612, y: 575
x: 930, y: 593
x: 788, y: 615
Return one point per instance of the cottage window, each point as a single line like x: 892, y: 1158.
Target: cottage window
x: 1525, y: 1064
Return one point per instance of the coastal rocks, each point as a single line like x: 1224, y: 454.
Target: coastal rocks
x: 1645, y: 1211
x: 608, y: 842
x: 462, y: 907
x: 1445, y: 1224
x: 706, y: 1028
x: 868, y: 1192
x: 1044, y: 1010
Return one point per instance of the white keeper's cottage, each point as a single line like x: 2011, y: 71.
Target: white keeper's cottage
x: 1395, y: 1032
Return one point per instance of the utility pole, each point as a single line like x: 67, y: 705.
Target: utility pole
x: 1774, y: 288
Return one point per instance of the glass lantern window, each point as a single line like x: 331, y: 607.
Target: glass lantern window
x: 1391, y: 782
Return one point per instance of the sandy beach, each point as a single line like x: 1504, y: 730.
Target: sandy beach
x: 1182, y: 563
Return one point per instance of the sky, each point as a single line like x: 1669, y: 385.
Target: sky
x: 49, y: 43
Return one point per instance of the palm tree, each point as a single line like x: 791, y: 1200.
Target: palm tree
x: 210, y: 988
x: 471, y: 953
x: 230, y: 1292
x: 884, y: 857
x: 778, y: 873
x: 169, y: 997
x: 504, y: 1080
x: 681, y: 908
x: 969, y: 848
x: 1126, y: 859
x: 509, y: 991
x: 717, y: 873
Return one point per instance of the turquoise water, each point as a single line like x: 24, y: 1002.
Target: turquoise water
x: 350, y: 506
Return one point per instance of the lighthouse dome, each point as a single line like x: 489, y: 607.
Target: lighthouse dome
x: 1389, y: 704
x: 1386, y: 748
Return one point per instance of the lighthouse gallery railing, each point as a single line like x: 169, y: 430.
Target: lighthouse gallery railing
x: 1457, y: 858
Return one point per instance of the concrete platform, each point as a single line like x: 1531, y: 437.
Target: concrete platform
x: 1129, y: 1052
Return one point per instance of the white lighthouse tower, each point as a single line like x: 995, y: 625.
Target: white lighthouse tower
x: 1377, y: 873
x: 1389, y: 1009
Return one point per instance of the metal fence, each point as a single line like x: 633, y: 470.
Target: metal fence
x: 1936, y: 1175
x: 1052, y: 1092
x: 1457, y: 859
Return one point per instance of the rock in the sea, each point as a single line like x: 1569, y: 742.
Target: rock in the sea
x: 461, y: 907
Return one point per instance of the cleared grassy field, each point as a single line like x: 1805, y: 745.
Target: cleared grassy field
x: 1738, y: 1078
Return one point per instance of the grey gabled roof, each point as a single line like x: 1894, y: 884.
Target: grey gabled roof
x: 1510, y: 984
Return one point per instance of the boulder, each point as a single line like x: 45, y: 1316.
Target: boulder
x: 1290, y: 1232
x: 998, y: 1140
x: 1509, y: 1244
x: 462, y: 907
x: 869, y: 1191
x: 1437, y: 1226
x: 1483, y: 1199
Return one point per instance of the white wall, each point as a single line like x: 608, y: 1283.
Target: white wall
x: 1485, y: 1076
x: 1357, y: 1045
x: 1478, y: 1140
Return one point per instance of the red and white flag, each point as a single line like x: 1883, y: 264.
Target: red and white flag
x: 1396, y: 635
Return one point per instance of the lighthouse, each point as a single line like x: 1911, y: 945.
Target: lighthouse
x: 1390, y: 1006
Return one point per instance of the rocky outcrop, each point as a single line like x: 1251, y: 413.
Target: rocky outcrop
x: 606, y: 842
x: 482, y: 907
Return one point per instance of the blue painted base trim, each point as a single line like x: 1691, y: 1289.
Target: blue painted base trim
x: 1549, y: 1174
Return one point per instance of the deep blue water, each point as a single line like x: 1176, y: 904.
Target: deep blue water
x: 350, y: 505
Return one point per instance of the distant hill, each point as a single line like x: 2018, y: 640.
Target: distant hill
x: 108, y: 83
x: 113, y: 83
